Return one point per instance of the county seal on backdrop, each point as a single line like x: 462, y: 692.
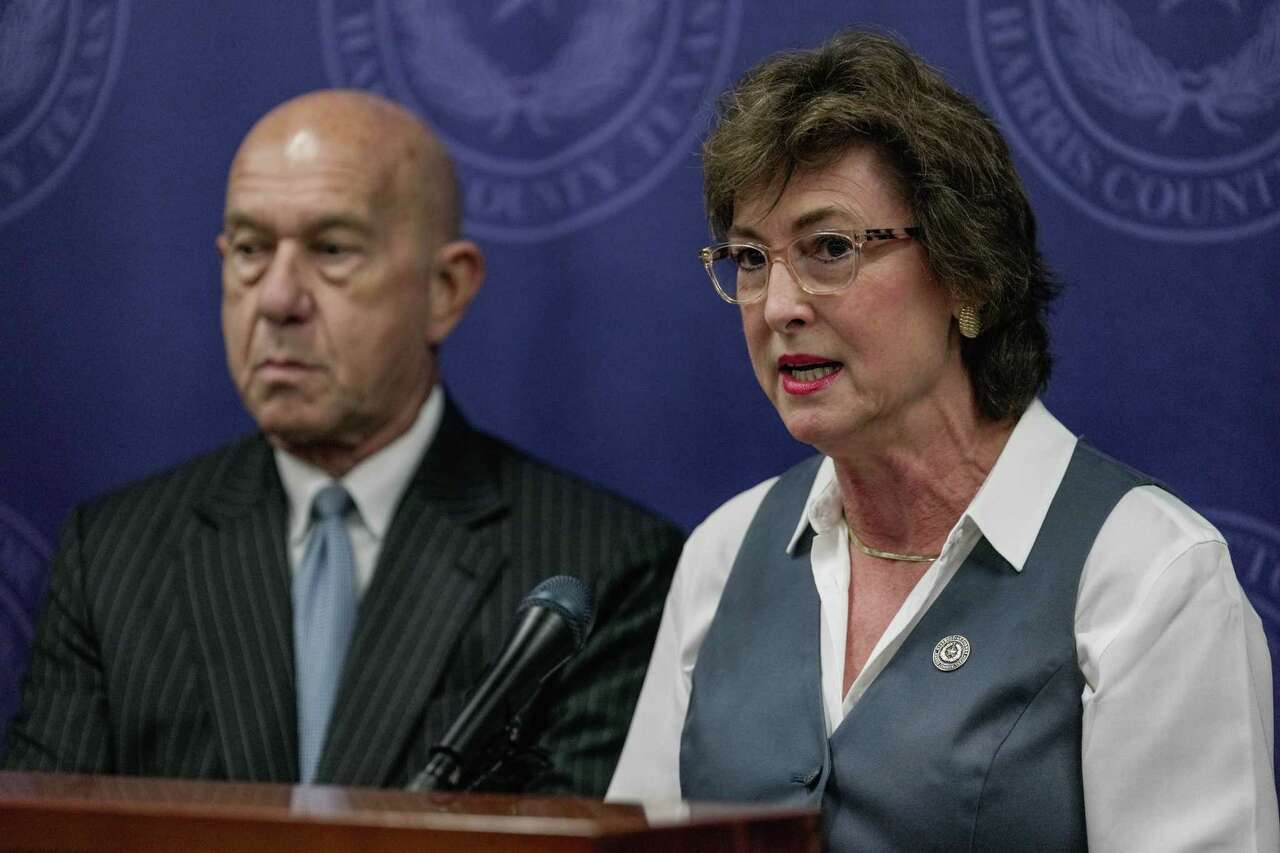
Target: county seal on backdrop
x: 58, y: 60
x: 1160, y: 119
x: 559, y: 113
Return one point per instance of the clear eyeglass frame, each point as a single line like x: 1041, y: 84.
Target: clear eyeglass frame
x: 709, y: 255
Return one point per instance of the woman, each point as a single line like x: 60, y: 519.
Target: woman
x: 958, y: 627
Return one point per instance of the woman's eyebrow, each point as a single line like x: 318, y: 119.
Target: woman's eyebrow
x: 800, y: 224
x: 822, y: 214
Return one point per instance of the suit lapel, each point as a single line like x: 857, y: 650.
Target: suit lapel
x: 440, y: 554
x: 237, y: 583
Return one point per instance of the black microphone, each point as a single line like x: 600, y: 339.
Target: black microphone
x: 552, y: 624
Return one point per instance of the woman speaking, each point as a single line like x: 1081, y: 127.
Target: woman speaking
x: 958, y: 627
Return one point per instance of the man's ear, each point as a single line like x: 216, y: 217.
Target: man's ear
x: 222, y: 244
x: 459, y: 271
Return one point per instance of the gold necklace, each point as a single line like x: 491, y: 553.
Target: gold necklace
x: 888, y: 555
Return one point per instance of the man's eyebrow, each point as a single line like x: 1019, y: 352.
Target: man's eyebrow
x: 238, y: 219
x: 235, y: 219
x: 340, y: 220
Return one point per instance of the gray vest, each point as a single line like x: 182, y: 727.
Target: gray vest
x: 984, y: 757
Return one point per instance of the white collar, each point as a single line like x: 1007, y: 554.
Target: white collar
x: 1009, y: 507
x: 375, y: 485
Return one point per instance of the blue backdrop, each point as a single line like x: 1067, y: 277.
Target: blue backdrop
x: 1148, y: 134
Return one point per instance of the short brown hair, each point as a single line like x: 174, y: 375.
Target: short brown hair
x: 805, y: 109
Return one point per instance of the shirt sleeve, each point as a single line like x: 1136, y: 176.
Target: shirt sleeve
x: 1178, y: 728
x: 649, y: 768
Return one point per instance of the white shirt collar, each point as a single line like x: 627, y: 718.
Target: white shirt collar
x: 1013, y: 502
x: 375, y: 485
x: 1009, y: 507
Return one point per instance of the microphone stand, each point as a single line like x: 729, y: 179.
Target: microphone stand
x: 552, y: 623
x: 508, y: 766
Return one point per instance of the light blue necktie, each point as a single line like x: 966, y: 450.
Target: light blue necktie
x: 324, y: 618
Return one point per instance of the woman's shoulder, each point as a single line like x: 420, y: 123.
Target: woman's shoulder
x: 721, y: 532
x: 1152, y: 547
x: 730, y: 520
x: 705, y: 564
x: 1155, y: 521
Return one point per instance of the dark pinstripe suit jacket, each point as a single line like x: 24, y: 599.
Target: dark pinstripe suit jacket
x: 166, y: 645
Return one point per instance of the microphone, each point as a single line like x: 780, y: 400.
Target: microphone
x: 552, y: 624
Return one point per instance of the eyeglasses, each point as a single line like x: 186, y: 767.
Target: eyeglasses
x: 822, y: 263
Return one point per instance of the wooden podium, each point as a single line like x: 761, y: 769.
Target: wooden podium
x: 99, y: 813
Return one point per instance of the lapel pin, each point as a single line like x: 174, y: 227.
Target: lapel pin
x: 951, y: 652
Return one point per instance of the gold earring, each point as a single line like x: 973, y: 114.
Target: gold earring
x: 970, y: 322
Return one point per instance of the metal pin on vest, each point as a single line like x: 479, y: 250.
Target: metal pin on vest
x: 951, y: 652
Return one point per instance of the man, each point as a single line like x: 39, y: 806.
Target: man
x: 203, y: 623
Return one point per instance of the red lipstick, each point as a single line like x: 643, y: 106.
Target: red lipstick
x: 807, y: 374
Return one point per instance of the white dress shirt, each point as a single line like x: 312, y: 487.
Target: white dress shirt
x: 375, y: 486
x: 1178, y: 736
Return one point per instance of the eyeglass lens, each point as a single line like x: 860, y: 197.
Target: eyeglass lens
x: 824, y: 262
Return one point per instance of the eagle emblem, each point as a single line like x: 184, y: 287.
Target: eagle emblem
x: 1160, y: 124
x: 603, y: 53
x: 558, y: 113
x: 1135, y: 81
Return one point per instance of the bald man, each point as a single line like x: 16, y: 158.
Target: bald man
x: 232, y: 618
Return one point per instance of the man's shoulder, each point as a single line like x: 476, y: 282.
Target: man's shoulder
x: 532, y: 484
x: 239, y: 464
